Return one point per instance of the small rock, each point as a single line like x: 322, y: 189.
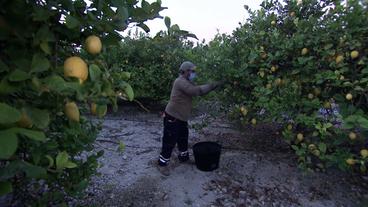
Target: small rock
x: 242, y: 194
x: 224, y: 190
x: 112, y: 196
x: 240, y: 202
x: 125, y: 157
x: 165, y: 197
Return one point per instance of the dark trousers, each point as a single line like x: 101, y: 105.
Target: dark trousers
x: 175, y: 132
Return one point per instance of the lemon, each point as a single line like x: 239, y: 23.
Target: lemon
x: 289, y: 127
x: 312, y: 147
x: 24, y: 120
x: 93, y: 45
x: 350, y: 161
x: 273, y: 69
x: 71, y: 111
x: 278, y: 81
x: 352, y: 136
x: 364, y: 153
x: 273, y: 22
x: 349, y: 96
x: 244, y: 111
x: 304, y: 51
x: 310, y: 96
x: 93, y: 108
x: 254, y: 121
x: 264, y: 55
x: 262, y: 74
x: 300, y: 137
x: 339, y: 59
x: 342, y: 77
x: 354, y: 54
x: 317, y: 91
x: 76, y: 67
x: 327, y: 105
x: 316, y: 152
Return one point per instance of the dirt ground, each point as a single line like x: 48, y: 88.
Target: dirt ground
x: 256, y: 169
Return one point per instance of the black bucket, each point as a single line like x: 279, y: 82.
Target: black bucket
x: 207, y: 155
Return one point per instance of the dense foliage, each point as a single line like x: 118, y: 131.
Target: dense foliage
x: 45, y: 145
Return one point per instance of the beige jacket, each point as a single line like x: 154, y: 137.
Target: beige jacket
x: 180, y: 104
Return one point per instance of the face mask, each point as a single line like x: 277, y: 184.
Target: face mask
x: 192, y: 76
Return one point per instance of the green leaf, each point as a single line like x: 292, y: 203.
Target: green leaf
x: 129, y: 92
x: 125, y: 75
x: 18, y: 75
x: 144, y: 27
x: 51, y: 161
x: 8, y: 144
x: 55, y: 83
x: 40, y: 118
x: 363, y: 122
x: 70, y: 164
x: 121, y: 146
x: 167, y: 22
x: 3, y: 67
x: 40, y: 14
x: 33, y: 171
x: 322, y: 147
x: 8, y: 114
x: 39, y: 63
x: 94, y: 72
x: 71, y: 22
x: 61, y: 160
x: 5, y: 188
x: 45, y: 47
x: 101, y: 110
x: 32, y: 134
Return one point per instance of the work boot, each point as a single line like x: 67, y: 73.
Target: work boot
x: 164, y: 170
x: 183, y: 156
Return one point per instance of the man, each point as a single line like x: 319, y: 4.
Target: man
x: 177, y: 113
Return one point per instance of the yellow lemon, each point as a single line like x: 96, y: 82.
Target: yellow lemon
x: 354, y: 54
x: 273, y: 69
x: 300, y: 137
x: 76, y: 67
x: 350, y: 161
x: 244, y: 111
x: 278, y: 81
x: 262, y: 74
x: 71, y: 111
x: 327, y: 105
x: 93, y: 45
x: 364, y: 153
x: 289, y: 127
x: 254, y: 121
x: 312, y: 147
x: 93, y: 108
x: 352, y: 136
x: 316, y: 152
x: 273, y: 22
x: 339, y: 59
x: 304, y: 51
x: 310, y: 96
x: 349, y: 96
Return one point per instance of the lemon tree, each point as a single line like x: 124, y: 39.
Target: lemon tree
x: 152, y: 62
x: 52, y: 73
x: 301, y: 65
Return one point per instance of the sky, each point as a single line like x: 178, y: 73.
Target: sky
x: 204, y: 17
